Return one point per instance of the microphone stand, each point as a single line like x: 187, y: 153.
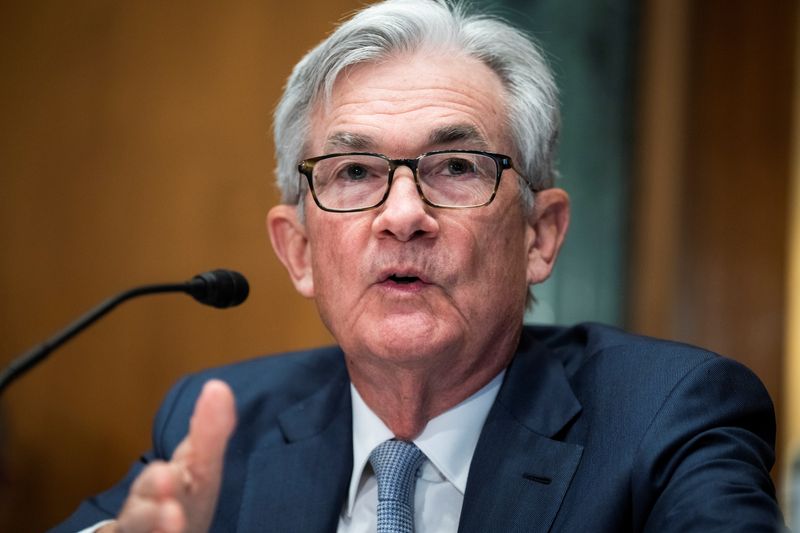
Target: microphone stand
x: 219, y: 288
x: 38, y: 353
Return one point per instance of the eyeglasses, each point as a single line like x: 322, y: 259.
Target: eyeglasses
x: 359, y: 181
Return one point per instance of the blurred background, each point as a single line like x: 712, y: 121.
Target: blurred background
x: 136, y: 148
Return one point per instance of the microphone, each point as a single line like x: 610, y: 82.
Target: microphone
x: 219, y: 288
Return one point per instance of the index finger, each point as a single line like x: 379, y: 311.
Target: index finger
x: 212, y: 423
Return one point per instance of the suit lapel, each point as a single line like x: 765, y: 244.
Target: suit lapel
x: 520, y: 472
x: 300, y: 484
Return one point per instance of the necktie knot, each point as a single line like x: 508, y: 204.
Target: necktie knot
x: 395, y: 463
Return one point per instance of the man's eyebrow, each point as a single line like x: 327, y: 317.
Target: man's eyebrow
x: 458, y: 133
x: 345, y: 141
x: 451, y: 134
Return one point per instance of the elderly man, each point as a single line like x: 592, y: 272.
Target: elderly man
x: 415, y: 149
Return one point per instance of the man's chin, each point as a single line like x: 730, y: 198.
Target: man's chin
x: 410, y: 339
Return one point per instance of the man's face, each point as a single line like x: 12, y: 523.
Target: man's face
x: 406, y: 283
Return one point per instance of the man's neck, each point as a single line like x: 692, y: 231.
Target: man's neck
x: 406, y: 398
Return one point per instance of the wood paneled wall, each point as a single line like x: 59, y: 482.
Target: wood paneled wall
x: 710, y: 217
x: 791, y: 378
x: 135, y: 147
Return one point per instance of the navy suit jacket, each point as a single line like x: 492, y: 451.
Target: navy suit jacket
x: 593, y: 430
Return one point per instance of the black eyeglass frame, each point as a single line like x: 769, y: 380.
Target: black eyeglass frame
x: 502, y: 162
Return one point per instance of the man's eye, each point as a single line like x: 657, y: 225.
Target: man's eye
x: 354, y: 172
x: 459, y: 167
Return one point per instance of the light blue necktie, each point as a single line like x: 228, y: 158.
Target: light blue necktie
x: 395, y: 463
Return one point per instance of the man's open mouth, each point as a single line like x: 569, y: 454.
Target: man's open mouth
x: 403, y: 280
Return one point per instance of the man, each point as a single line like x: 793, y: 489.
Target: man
x: 415, y: 149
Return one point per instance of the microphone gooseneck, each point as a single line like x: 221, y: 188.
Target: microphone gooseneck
x: 218, y: 288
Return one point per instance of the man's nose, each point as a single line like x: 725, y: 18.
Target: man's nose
x: 404, y: 216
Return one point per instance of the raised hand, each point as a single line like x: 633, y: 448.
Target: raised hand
x: 181, y: 495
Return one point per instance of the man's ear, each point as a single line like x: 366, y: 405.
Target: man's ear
x: 546, y: 231
x: 289, y: 240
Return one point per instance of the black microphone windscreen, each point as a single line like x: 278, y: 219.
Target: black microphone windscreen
x: 219, y: 288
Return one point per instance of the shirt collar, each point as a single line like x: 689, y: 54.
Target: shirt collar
x: 448, y: 440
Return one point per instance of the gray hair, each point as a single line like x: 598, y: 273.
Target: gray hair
x: 398, y: 26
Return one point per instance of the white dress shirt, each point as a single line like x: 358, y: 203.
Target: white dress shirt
x: 448, y: 442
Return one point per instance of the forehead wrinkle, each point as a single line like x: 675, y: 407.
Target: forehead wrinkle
x: 409, y: 100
